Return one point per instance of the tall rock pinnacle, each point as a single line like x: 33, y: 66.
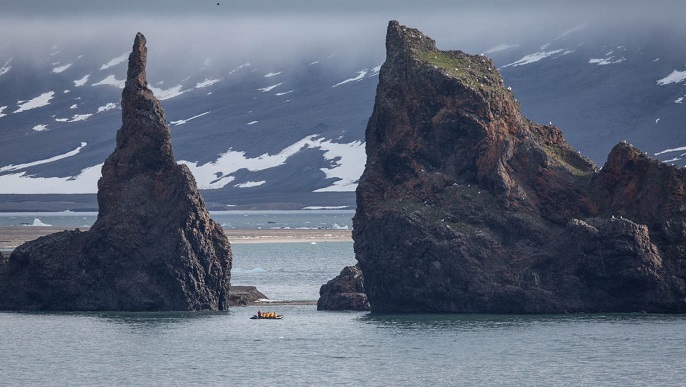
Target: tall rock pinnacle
x: 466, y: 206
x: 153, y: 245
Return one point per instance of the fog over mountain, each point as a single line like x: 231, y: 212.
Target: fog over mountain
x: 268, y: 100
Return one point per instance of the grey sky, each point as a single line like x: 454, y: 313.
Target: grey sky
x: 284, y: 29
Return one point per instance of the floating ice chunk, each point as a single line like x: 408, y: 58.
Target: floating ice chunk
x: 252, y: 122
x: 37, y: 223
x: 272, y: 74
x: 1, y: 109
x: 248, y: 271
x: 40, y: 128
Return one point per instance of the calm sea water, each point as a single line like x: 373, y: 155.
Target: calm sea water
x: 314, y: 219
x: 309, y: 347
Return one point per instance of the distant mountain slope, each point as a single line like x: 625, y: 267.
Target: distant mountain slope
x: 291, y: 134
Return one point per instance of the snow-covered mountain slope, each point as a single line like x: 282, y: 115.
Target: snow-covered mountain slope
x: 287, y: 134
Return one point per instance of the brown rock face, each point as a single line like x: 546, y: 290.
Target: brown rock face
x: 467, y: 206
x: 345, y: 292
x: 153, y: 246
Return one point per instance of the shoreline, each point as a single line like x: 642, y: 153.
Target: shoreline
x: 13, y: 236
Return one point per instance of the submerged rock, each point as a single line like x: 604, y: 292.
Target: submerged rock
x: 345, y: 292
x: 153, y: 245
x: 467, y: 206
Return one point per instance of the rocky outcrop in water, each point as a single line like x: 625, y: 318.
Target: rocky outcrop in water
x: 345, y: 292
x: 153, y: 245
x: 467, y: 206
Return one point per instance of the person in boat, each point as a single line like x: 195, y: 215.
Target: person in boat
x: 259, y: 314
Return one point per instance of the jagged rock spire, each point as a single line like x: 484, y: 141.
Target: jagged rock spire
x: 153, y: 246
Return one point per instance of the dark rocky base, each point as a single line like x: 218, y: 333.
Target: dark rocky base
x: 345, y: 292
x: 244, y: 295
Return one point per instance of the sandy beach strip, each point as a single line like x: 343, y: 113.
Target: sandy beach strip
x: 11, y: 237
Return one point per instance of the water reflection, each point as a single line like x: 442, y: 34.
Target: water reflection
x: 493, y: 322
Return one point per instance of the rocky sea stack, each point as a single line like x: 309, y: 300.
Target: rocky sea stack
x: 153, y: 245
x: 467, y: 206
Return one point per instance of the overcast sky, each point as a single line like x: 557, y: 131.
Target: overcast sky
x: 283, y: 29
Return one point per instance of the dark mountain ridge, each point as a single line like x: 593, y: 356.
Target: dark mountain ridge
x: 220, y: 106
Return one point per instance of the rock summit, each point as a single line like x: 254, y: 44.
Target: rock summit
x: 153, y: 245
x: 467, y: 206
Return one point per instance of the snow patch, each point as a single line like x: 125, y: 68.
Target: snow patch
x: 20, y: 183
x: 40, y: 128
x: 162, y: 94
x: 60, y: 69
x: 74, y: 106
x: 532, y: 58
x: 6, y: 67
x: 348, y: 160
x: 683, y: 148
x: 325, y: 207
x: 82, y: 81
x: 269, y: 88
x: 360, y: 75
x: 17, y: 167
x: 606, y: 61
x: 115, y: 61
x: 272, y: 74
x: 110, y: 80
x: 284, y: 93
x: 109, y: 106
x: 250, y: 184
x: 675, y: 77
x: 181, y: 122
x: 80, y: 117
x: 40, y: 101
x: 252, y: 122
x: 217, y: 174
x: 678, y: 100
x: 207, y: 82
x: 500, y: 47
x: 247, y: 64
x: 1, y: 109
